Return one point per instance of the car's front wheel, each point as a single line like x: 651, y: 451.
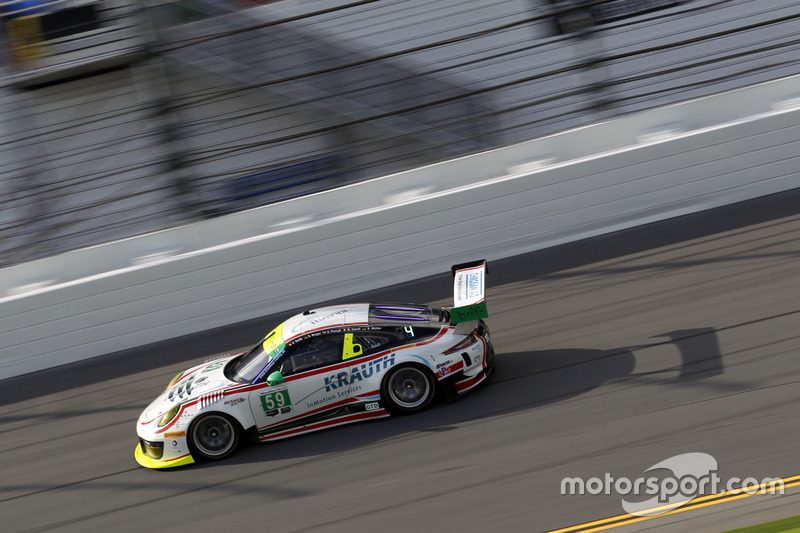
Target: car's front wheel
x: 213, y: 437
x: 408, y: 389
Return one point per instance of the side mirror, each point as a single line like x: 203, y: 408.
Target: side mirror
x: 276, y: 378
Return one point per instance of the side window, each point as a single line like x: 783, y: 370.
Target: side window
x: 371, y: 342
x: 410, y: 333
x: 284, y: 365
x: 375, y: 341
x: 312, y: 353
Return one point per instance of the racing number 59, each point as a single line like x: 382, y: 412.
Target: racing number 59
x: 275, y: 400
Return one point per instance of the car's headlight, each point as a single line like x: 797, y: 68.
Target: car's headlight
x: 169, y: 415
x: 174, y: 380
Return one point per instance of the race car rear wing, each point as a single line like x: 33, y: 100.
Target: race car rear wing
x: 469, y: 294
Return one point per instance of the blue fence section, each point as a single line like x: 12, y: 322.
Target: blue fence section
x: 274, y: 184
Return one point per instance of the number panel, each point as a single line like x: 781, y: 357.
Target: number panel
x: 276, y: 402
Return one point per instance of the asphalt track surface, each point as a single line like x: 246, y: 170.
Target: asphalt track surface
x: 613, y: 354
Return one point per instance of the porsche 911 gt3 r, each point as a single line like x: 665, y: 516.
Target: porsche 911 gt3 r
x: 323, y: 368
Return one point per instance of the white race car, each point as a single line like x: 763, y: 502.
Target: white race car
x: 323, y: 368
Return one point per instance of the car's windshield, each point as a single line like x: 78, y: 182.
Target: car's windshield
x: 248, y: 367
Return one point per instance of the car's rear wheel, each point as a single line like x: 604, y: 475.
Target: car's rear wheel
x: 213, y: 437
x: 408, y: 389
x: 490, y: 365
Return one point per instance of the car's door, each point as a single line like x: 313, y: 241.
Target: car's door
x: 303, y: 392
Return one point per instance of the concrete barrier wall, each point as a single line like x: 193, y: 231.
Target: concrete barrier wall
x: 586, y: 182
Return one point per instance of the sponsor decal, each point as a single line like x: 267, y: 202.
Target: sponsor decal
x: 214, y: 366
x: 174, y: 444
x: 317, y: 320
x: 352, y: 329
x: 323, y: 318
x: 174, y: 434
x: 357, y: 373
x: 338, y: 395
x: 372, y: 406
x: 276, y: 402
x: 191, y: 385
x: 469, y: 285
x: 468, y: 313
x: 234, y: 401
x: 444, y: 369
x: 321, y: 401
x: 187, y: 387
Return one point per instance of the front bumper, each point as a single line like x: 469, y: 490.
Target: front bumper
x: 149, y: 462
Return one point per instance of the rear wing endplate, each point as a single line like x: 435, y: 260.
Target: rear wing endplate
x: 469, y: 292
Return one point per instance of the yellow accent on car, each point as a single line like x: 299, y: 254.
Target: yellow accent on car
x: 350, y: 348
x: 168, y: 415
x: 147, y: 462
x: 273, y: 340
x: 174, y: 380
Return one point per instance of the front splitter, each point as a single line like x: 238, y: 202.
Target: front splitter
x: 149, y: 462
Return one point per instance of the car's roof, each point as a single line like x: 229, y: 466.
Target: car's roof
x: 325, y: 317
x: 361, y: 314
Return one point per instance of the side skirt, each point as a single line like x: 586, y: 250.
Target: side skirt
x: 337, y: 420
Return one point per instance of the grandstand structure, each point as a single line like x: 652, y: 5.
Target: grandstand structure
x: 119, y: 118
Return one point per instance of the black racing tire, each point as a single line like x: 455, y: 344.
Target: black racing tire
x: 213, y: 437
x: 407, y: 389
x: 491, y: 369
